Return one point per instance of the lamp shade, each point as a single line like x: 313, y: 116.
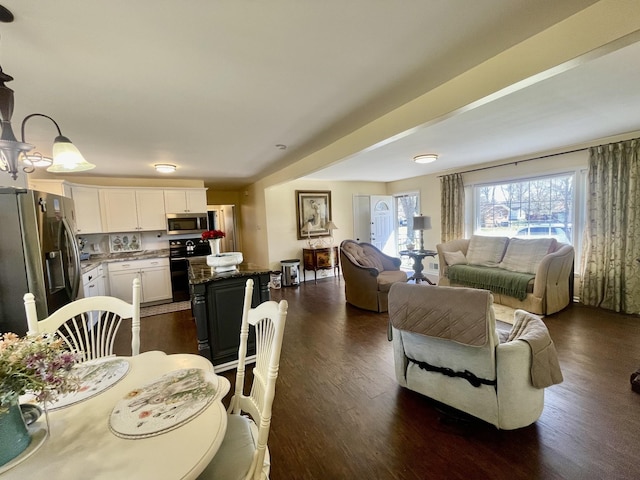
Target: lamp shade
x: 67, y: 158
x: 331, y: 226
x: 421, y: 223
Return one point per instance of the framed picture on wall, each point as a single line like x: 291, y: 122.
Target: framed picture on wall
x: 313, y: 209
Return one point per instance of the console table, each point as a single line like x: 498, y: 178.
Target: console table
x: 417, y: 256
x: 320, y: 258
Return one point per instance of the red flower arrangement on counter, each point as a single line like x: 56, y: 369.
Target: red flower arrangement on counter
x: 212, y: 234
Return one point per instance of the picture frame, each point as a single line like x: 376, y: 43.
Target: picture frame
x: 313, y: 207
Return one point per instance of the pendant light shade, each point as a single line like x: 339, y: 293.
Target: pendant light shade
x: 67, y: 158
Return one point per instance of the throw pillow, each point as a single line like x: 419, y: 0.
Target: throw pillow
x: 524, y: 255
x: 486, y: 251
x: 455, y: 258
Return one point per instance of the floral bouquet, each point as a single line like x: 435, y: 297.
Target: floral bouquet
x: 37, y: 364
x: 212, y: 234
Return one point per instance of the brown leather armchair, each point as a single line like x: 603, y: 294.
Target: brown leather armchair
x: 368, y: 275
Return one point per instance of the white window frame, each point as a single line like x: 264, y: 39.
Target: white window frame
x: 578, y: 210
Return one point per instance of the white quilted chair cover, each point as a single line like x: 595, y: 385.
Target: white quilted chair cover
x: 454, y: 329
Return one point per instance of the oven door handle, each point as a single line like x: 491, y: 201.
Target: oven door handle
x: 178, y: 258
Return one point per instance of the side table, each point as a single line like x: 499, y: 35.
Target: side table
x: 417, y: 256
x: 320, y: 258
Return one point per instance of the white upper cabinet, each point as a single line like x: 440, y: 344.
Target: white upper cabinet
x: 57, y: 187
x: 129, y: 210
x: 119, y: 209
x: 150, y: 208
x: 192, y: 200
x: 86, y: 201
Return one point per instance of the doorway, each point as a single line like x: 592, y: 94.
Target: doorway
x: 223, y: 217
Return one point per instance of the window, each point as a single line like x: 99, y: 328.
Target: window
x: 530, y: 208
x: 407, y: 207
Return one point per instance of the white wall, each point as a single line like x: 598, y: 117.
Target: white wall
x: 282, y: 221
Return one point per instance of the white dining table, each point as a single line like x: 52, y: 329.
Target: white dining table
x: 81, y: 445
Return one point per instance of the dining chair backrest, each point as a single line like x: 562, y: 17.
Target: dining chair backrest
x: 243, y: 453
x: 88, y: 326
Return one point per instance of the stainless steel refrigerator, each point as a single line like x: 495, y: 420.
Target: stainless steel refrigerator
x: 38, y: 254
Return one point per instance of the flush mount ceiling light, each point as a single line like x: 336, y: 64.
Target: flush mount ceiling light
x: 425, y: 158
x: 66, y: 157
x: 165, y: 167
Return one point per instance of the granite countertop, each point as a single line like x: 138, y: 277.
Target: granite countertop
x: 200, y: 272
x: 96, y: 260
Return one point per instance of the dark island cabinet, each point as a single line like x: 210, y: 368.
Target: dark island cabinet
x: 217, y: 308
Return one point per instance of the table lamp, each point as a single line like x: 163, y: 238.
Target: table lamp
x: 331, y: 227
x: 309, y: 227
x: 421, y: 223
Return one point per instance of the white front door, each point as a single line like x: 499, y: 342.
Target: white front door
x: 382, y: 219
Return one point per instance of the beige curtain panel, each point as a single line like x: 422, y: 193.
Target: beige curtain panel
x: 611, y: 247
x: 452, y: 207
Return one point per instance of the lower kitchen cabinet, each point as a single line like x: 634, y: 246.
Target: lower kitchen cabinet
x: 154, y: 275
x: 217, y: 307
x: 93, y: 285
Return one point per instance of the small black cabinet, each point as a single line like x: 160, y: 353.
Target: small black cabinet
x: 217, y: 307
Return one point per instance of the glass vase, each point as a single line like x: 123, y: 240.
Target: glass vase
x: 14, y: 436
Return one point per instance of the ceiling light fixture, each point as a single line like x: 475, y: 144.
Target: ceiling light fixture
x: 66, y: 157
x: 36, y: 159
x: 165, y: 167
x: 425, y: 158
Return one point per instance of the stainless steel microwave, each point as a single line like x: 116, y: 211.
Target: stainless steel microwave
x: 179, y: 223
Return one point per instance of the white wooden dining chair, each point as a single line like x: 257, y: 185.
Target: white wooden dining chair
x: 88, y: 326
x: 244, y: 453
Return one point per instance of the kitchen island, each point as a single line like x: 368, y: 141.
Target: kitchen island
x: 217, y: 300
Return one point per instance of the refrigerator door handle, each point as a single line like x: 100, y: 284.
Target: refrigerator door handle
x: 75, y: 287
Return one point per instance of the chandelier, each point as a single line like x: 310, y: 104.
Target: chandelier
x: 14, y: 153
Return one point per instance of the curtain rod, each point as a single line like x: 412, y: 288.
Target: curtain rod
x: 520, y: 161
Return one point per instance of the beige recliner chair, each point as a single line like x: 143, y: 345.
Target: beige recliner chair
x: 446, y: 347
x: 368, y: 275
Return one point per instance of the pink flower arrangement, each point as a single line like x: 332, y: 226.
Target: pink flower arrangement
x: 36, y: 364
x: 212, y: 234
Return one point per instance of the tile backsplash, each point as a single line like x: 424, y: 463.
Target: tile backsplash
x: 125, y: 242
x: 101, y: 243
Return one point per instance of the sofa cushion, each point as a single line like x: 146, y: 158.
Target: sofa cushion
x: 486, y: 251
x: 455, y: 258
x: 524, y: 255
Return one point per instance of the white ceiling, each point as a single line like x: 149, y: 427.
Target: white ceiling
x: 214, y: 85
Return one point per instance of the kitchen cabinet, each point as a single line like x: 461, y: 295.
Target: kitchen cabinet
x: 128, y: 209
x: 191, y: 200
x: 57, y: 187
x: 86, y: 200
x: 154, y: 275
x: 93, y: 283
x: 150, y: 210
x: 217, y: 300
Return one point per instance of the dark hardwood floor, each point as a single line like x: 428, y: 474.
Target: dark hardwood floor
x: 339, y: 413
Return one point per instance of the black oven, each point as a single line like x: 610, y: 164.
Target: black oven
x: 179, y: 253
x: 181, y: 223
